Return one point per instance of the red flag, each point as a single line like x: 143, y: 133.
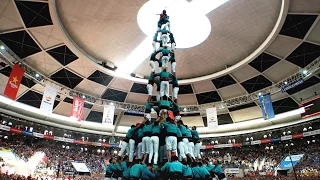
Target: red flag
x: 14, y: 82
x: 77, y: 108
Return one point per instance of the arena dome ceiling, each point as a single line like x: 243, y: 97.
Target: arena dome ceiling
x: 28, y: 29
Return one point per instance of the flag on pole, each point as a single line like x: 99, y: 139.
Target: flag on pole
x: 48, y: 98
x: 14, y: 81
x: 77, y: 108
x: 108, y: 115
x: 212, y: 118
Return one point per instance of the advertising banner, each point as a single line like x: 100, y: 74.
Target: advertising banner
x: 14, y: 81
x: 212, y: 119
x: 108, y: 115
x: 232, y: 170
x: 288, y: 162
x: 266, y: 106
x: 48, y: 98
x: 77, y: 108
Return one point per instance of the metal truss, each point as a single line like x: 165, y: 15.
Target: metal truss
x: 291, y: 81
x: 11, y: 58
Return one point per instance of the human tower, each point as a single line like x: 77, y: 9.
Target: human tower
x: 167, y: 136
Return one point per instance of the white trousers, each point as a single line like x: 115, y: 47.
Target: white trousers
x: 149, y: 89
x: 171, y: 142
x: 158, y: 95
x: 182, y: 154
x: 124, y: 146
x: 196, y: 151
x: 145, y: 145
x: 191, y: 149
x: 164, y: 88
x: 154, y: 44
x: 154, y: 149
x: 164, y: 39
x: 139, y: 151
x: 166, y: 26
x: 185, y: 145
x: 152, y: 65
x: 165, y: 61
x: 173, y: 46
x: 175, y: 92
x: 131, y: 149
x: 173, y: 67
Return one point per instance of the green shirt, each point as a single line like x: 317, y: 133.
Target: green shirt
x: 175, y: 108
x: 164, y: 52
x: 174, y: 80
x: 148, y: 106
x: 153, y: 57
x: 164, y: 74
x: 158, y: 85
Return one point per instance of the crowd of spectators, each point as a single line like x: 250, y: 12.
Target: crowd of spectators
x: 279, y: 177
x: 65, y: 177
x: 269, y: 156
x: 57, y: 157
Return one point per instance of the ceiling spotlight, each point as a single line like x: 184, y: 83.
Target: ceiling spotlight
x: 247, y: 139
x: 111, y: 103
x: 2, y: 47
x: 310, y: 127
x: 285, y: 82
x: 304, y: 72
x: 184, y: 109
x: 83, y: 96
x: 260, y: 94
x: 304, y: 129
x: 289, y: 132
x: 216, y: 142
x: 37, y: 75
